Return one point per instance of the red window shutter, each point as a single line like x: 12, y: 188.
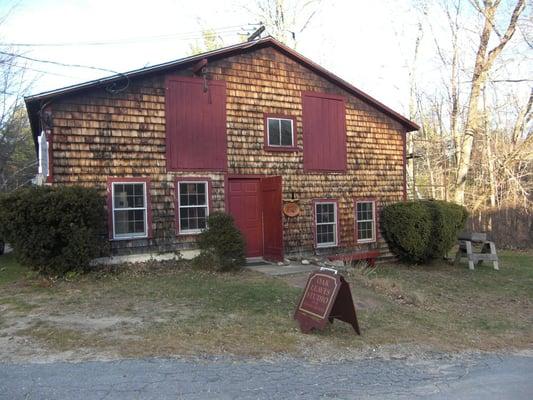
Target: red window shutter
x: 195, y: 124
x: 324, y: 132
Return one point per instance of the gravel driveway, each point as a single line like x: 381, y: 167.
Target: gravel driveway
x: 440, y: 376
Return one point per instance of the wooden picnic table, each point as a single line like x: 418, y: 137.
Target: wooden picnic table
x: 468, y: 241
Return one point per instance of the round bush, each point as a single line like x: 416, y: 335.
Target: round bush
x: 54, y: 229
x: 448, y: 219
x: 222, y: 242
x: 407, y: 229
x: 422, y: 230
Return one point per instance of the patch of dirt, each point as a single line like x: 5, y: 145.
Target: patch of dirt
x: 18, y: 345
x: 23, y: 333
x: 83, y: 322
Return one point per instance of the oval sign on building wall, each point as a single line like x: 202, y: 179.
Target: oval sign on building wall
x: 291, y: 209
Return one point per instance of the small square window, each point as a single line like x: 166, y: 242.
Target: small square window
x: 280, y: 132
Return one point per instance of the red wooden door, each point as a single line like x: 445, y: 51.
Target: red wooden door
x: 245, y: 207
x: 272, y: 218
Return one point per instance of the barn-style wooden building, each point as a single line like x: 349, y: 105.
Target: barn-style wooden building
x: 303, y: 160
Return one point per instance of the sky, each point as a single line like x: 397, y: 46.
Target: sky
x: 368, y: 43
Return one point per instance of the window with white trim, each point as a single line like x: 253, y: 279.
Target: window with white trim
x: 366, y: 221
x: 193, y: 205
x: 280, y: 132
x: 129, y: 210
x: 42, y: 141
x: 326, y: 223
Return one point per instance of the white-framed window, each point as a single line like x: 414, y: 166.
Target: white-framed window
x: 193, y: 206
x: 42, y: 141
x: 366, y: 221
x: 130, y: 212
x: 326, y: 223
x: 280, y: 132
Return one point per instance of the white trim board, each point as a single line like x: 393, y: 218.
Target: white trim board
x: 144, y: 257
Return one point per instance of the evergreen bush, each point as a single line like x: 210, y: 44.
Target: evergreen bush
x: 54, y: 229
x: 448, y: 219
x: 422, y: 230
x: 407, y: 229
x: 222, y: 242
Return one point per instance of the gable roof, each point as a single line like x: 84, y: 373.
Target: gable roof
x: 34, y: 102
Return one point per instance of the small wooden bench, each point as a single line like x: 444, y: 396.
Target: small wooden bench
x: 368, y: 256
x: 467, y: 240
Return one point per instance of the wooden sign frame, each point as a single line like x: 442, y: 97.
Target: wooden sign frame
x: 291, y: 208
x: 326, y: 297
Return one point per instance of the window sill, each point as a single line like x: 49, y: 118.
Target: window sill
x: 325, y: 171
x: 365, y: 241
x: 282, y: 149
x: 129, y: 238
x: 326, y: 245
x: 188, y: 233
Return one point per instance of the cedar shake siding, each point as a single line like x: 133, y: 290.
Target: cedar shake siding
x: 148, y: 130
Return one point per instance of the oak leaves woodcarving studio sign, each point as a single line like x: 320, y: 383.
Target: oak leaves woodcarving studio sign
x: 326, y: 296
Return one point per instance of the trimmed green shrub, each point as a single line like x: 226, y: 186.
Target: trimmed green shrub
x: 54, y: 229
x: 407, y: 229
x: 448, y: 219
x: 221, y: 243
x: 422, y: 230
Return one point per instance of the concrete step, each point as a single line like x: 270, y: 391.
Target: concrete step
x: 277, y: 270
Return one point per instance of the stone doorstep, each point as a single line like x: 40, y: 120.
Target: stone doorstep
x: 295, y: 267
x: 277, y: 270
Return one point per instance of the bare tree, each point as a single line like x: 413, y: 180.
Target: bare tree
x: 522, y: 120
x: 285, y: 19
x: 210, y: 40
x: 18, y: 163
x: 484, y: 61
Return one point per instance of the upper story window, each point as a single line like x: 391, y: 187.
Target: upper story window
x: 365, y: 220
x: 324, y: 132
x: 43, y: 143
x: 326, y: 223
x: 129, y: 208
x: 280, y: 133
x: 193, y: 206
x: 195, y: 118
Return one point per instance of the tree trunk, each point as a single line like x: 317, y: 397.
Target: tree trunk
x: 483, y: 64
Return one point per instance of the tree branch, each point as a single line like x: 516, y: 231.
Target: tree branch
x: 511, y: 28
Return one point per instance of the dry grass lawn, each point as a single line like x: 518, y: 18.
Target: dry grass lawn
x: 169, y: 309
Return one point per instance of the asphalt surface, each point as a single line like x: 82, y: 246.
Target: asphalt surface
x: 438, y: 377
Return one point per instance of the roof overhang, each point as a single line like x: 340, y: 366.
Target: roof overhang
x: 35, y: 103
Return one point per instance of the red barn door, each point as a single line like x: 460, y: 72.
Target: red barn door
x: 255, y: 204
x: 195, y: 124
x: 324, y: 132
x: 272, y: 219
x: 245, y: 207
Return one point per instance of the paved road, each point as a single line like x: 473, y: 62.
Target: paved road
x: 440, y: 377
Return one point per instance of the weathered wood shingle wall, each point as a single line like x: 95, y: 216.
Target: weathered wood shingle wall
x: 99, y: 135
